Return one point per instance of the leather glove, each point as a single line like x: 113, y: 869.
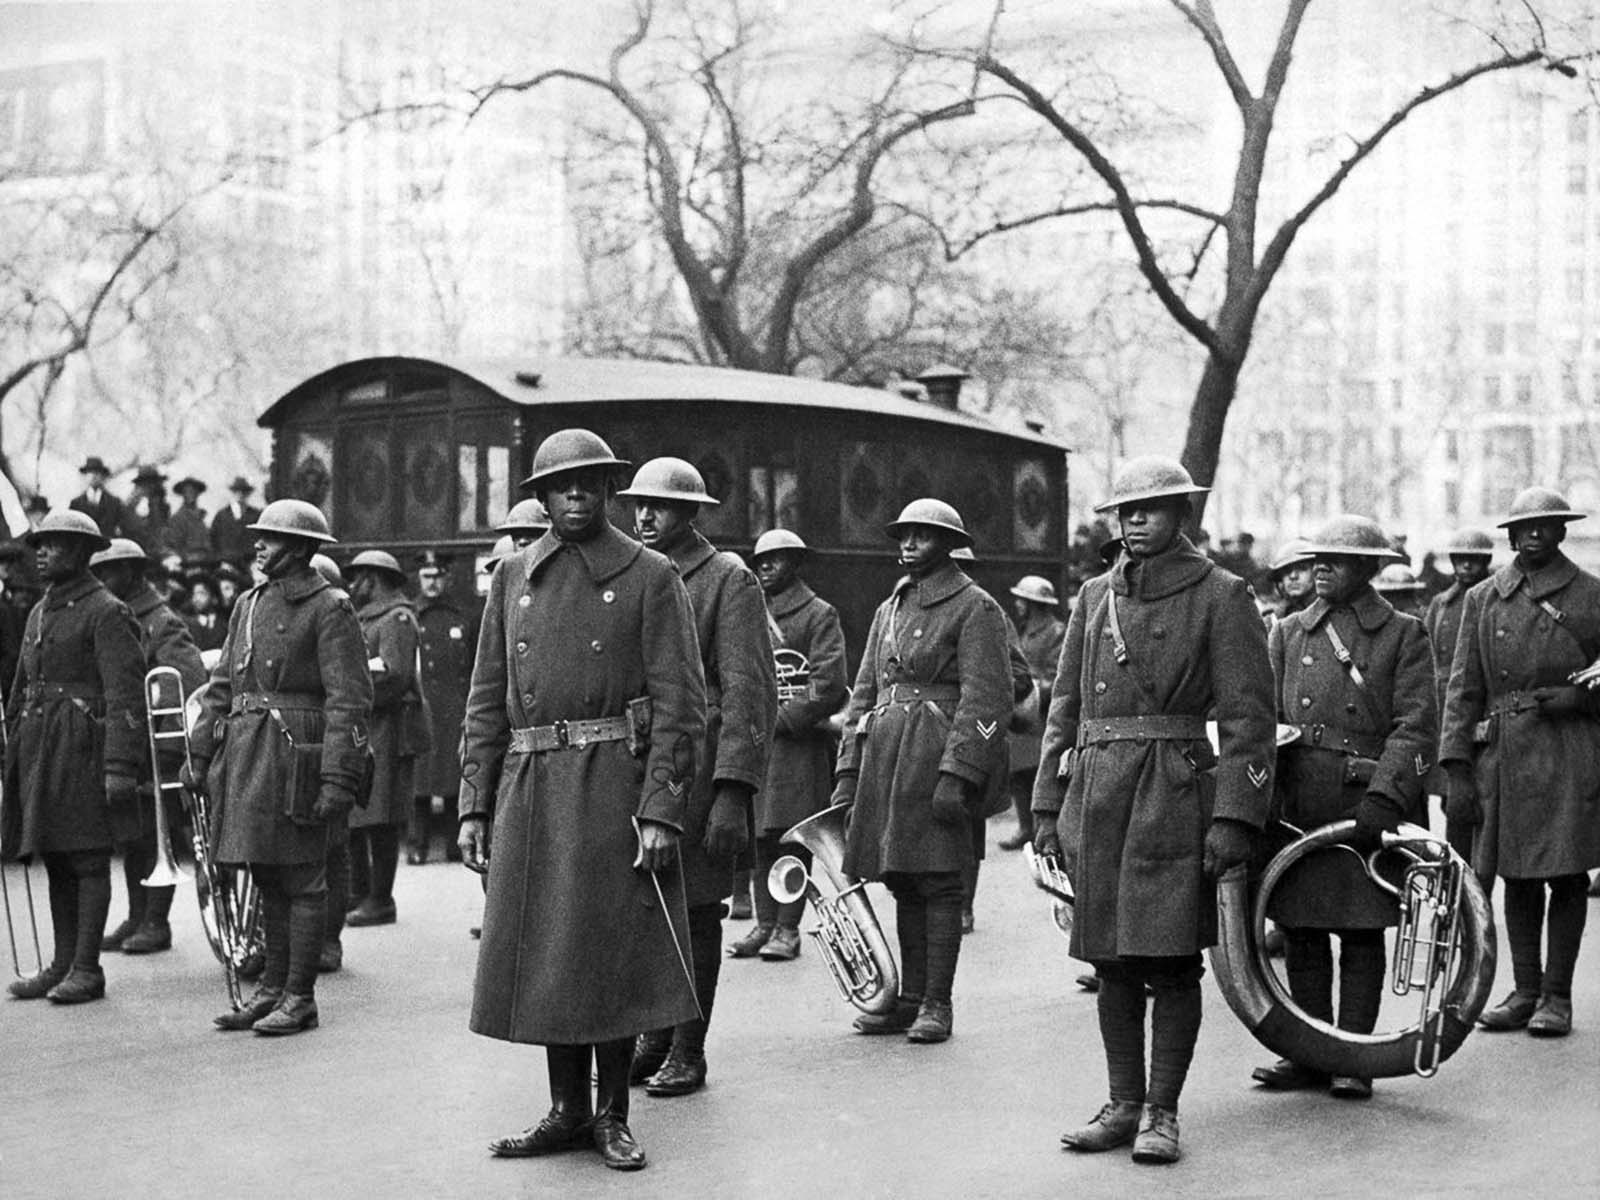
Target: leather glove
x: 1461, y: 796
x: 193, y: 774
x: 1559, y: 701
x: 473, y: 839
x: 658, y: 846
x: 1375, y: 816
x: 120, y: 788
x: 1046, y: 841
x: 950, y: 799
x: 728, y: 826
x: 334, y: 802
x: 844, y: 789
x: 1227, y: 846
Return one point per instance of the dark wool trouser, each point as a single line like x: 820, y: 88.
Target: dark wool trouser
x: 338, y: 863
x: 374, y: 862
x: 1308, y: 961
x: 688, y: 1038
x: 1525, y: 925
x: 80, y: 901
x: 928, y: 920
x: 293, y: 911
x: 1174, y: 984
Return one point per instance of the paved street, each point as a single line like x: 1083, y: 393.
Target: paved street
x: 138, y: 1096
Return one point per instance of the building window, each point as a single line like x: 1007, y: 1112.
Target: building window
x: 1494, y: 338
x: 1577, y: 178
x: 774, y: 499
x: 1569, y: 383
x: 1491, y: 391
x: 1524, y: 394
x: 1507, y: 465
x: 1578, y: 127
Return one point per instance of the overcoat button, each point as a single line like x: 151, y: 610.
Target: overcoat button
x: 522, y: 647
x: 1307, y: 661
x: 608, y: 596
x: 1158, y: 632
x: 282, y: 628
x: 1100, y: 687
x: 596, y: 646
x: 524, y: 600
x: 1499, y: 633
x: 1305, y: 701
x: 916, y: 633
x: 1349, y: 708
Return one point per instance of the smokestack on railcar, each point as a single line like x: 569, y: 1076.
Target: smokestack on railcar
x: 943, y: 383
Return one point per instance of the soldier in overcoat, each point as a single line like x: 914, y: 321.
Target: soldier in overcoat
x: 924, y: 736
x: 1040, y: 632
x: 400, y: 733
x: 77, y: 740
x: 1292, y: 582
x: 1521, y: 750
x: 165, y: 641
x: 741, y: 704
x: 800, y: 767
x: 281, y: 747
x: 448, y: 639
x: 1356, y: 677
x: 1131, y: 794
x: 584, y: 722
x: 1470, y: 551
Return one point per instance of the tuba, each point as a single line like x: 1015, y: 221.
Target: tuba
x: 1446, y: 929
x: 848, y: 934
x: 793, y: 670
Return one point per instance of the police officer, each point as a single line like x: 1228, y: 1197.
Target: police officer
x: 924, y: 736
x: 77, y: 744
x: 400, y: 732
x: 165, y: 642
x: 1356, y: 676
x: 284, y: 717
x: 1154, y: 646
x: 1470, y: 552
x: 742, y: 697
x: 584, y: 723
x: 1039, y: 635
x: 800, y: 769
x: 1521, y: 750
x: 449, y: 637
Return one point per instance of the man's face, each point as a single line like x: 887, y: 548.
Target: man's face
x: 95, y: 479
x: 228, y: 589
x: 777, y: 571
x: 430, y: 582
x: 1339, y: 576
x: 1295, y: 581
x: 273, y: 551
x: 201, y: 598
x: 662, y: 524
x: 1148, y: 528
x: 363, y: 586
x: 118, y: 578
x: 60, y: 558
x: 922, y: 547
x: 1469, y: 569
x: 1537, y: 542
x: 576, y: 502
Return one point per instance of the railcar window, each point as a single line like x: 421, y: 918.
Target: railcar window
x: 774, y: 499
x: 484, y: 474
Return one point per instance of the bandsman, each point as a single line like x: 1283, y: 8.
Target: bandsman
x: 742, y: 698
x: 449, y: 637
x: 1398, y: 584
x: 1040, y: 632
x: 1291, y: 577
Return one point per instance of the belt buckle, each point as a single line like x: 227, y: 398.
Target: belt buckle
x: 578, y: 740
x: 1316, y: 732
x: 562, y: 734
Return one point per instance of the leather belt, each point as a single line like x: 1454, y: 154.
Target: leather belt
x: 1155, y: 727
x: 62, y: 691
x: 569, y: 735
x: 1510, y: 703
x: 907, y: 693
x: 267, y: 701
x: 1339, y: 741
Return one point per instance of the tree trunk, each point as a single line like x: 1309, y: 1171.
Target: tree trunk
x: 1208, y: 415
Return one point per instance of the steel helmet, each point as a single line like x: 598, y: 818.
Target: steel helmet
x: 377, y: 560
x: 67, y: 522
x: 668, y: 479
x: 328, y: 569
x: 1292, y: 553
x: 571, y: 450
x: 774, y: 540
x: 935, y: 514
x: 1035, y: 588
x: 120, y: 550
x: 1397, y: 577
x: 963, y: 554
x: 294, y: 517
x: 1470, y: 541
x: 1149, y: 477
x: 1539, y: 504
x: 526, y: 516
x: 503, y: 547
x: 1361, y: 537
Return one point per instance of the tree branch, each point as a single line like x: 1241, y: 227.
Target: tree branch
x: 1204, y: 19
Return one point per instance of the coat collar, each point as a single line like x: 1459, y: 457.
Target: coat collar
x: 1179, y: 567
x: 692, y: 553
x: 59, y: 595
x: 438, y: 604
x: 145, y: 601
x: 1371, y: 610
x: 936, y: 587
x: 605, y: 555
x: 792, y: 599
x: 1542, y: 583
x: 373, y: 609
x: 303, y: 584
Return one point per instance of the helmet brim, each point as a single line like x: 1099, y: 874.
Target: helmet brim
x: 583, y: 464
x: 1166, y: 493
x: 309, y: 534
x: 670, y: 497
x: 1560, y: 514
x: 895, y: 528
x: 98, y: 540
x: 1329, y: 550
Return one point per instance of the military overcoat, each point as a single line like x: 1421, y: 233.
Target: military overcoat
x: 75, y: 711
x: 800, y: 772
x: 1538, y: 777
x: 449, y: 639
x: 933, y: 694
x: 291, y: 686
x: 1132, y: 815
x: 165, y: 640
x: 400, y: 725
x: 576, y: 946
x: 1040, y: 642
x: 1385, y: 725
x: 730, y: 620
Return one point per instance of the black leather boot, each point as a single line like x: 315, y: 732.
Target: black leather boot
x: 649, y: 1052
x: 612, y: 1137
x: 256, y: 1007
x: 569, y: 1125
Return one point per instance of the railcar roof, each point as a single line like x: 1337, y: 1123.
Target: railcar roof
x: 557, y: 380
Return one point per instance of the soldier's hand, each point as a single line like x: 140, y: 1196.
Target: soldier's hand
x: 120, y: 788
x: 1559, y: 701
x: 728, y: 826
x: 1461, y: 796
x: 1227, y: 846
x: 658, y: 846
x: 334, y: 802
x: 1046, y: 841
x: 950, y: 799
x: 844, y: 789
x: 473, y: 839
x: 1375, y: 816
x: 193, y: 775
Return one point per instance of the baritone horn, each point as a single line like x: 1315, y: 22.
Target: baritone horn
x: 793, y: 670
x: 164, y: 717
x: 848, y: 935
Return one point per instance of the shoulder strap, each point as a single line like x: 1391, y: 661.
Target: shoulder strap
x: 1342, y: 653
x: 1119, y: 645
x: 1560, y: 618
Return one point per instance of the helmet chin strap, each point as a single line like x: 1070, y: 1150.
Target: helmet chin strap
x: 292, y: 555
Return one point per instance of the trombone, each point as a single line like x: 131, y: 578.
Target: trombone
x: 27, y: 878
x: 164, y: 717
